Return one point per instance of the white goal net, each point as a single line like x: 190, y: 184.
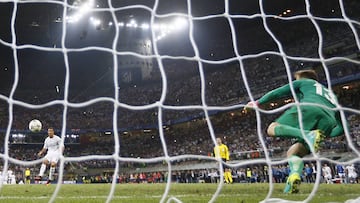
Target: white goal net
x: 139, y: 90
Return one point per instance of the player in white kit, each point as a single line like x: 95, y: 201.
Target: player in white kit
x: 351, y: 173
x: 327, y: 174
x: 55, y: 149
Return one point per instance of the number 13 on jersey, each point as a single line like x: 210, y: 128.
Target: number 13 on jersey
x: 322, y: 91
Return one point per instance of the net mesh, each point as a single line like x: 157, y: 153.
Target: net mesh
x: 252, y: 70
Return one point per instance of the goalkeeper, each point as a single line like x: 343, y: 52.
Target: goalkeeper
x: 318, y: 122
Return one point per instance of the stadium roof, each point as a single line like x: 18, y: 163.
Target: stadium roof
x: 41, y: 24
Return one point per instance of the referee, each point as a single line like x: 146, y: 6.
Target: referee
x: 222, y: 151
x: 27, y: 176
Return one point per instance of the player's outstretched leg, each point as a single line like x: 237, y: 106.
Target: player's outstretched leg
x: 315, y: 138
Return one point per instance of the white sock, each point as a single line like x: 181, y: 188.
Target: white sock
x: 42, y: 169
x: 51, y: 173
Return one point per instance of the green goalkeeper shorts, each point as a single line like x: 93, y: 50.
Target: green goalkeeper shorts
x: 313, y: 118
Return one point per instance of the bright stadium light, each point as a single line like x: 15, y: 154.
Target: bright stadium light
x: 180, y: 23
x: 132, y: 23
x: 81, y: 11
x: 156, y: 27
x: 73, y: 19
x: 145, y: 26
x: 165, y: 29
x: 97, y: 22
x: 86, y: 7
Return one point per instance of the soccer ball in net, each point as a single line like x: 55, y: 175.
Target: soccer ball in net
x: 35, y: 125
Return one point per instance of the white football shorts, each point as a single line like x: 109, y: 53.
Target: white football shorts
x: 53, y: 156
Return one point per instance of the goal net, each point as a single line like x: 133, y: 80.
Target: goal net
x: 139, y: 91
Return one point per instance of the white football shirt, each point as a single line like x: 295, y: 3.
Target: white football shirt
x: 327, y: 170
x: 52, y: 144
x: 351, y: 171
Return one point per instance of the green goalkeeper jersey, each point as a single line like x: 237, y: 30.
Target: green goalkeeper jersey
x: 307, y: 90
x: 310, y: 91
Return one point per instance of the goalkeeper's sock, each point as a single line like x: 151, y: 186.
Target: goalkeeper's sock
x: 51, y: 173
x: 296, y: 164
x: 289, y: 132
x: 42, y: 170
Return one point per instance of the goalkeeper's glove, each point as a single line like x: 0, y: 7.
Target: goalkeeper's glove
x: 251, y: 105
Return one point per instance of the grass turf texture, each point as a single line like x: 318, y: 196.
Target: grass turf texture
x: 246, y: 193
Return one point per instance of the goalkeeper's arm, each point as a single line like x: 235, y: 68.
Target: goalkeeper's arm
x: 281, y: 92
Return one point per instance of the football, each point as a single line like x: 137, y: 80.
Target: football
x: 35, y: 125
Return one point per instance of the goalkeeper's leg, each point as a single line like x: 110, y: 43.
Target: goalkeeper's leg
x: 296, y: 164
x: 316, y: 124
x: 315, y: 137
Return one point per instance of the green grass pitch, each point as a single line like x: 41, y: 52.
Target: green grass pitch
x: 242, y: 193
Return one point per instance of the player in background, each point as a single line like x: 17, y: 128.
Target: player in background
x: 308, y: 174
x: 326, y: 171
x: 222, y: 151
x: 351, y: 173
x: 314, y: 171
x: 55, y: 149
x: 341, y: 172
x: 27, y: 176
x: 317, y: 122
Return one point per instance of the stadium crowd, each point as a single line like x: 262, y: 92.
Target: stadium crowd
x: 190, y: 138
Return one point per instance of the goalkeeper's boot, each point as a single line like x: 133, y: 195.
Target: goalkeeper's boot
x: 315, y: 138
x: 292, y: 183
x: 48, y: 182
